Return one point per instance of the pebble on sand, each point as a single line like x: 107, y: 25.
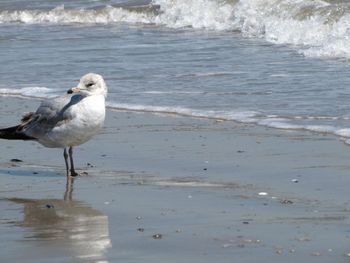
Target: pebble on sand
x: 16, y: 160
x: 157, y: 236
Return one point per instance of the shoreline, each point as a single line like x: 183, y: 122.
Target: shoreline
x: 210, y: 191
x: 250, y: 118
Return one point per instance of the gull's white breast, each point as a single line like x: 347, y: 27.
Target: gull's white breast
x: 85, y: 119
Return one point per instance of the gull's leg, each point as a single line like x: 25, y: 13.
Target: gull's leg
x: 65, y: 155
x: 72, y: 170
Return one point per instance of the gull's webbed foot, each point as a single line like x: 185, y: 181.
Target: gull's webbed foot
x: 73, y: 173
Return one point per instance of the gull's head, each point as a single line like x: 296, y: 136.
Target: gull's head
x: 90, y: 84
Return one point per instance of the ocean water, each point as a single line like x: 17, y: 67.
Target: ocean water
x: 278, y: 63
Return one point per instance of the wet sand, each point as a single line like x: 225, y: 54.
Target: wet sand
x: 166, y: 188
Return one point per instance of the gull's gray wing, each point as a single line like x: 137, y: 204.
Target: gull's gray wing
x: 51, y: 113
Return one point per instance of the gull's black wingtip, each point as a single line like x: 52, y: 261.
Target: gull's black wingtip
x: 12, y: 133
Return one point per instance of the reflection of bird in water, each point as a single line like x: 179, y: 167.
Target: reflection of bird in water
x: 65, y: 228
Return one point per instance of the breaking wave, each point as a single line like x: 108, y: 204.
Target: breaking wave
x: 316, y: 28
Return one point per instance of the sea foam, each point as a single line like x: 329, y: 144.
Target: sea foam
x: 236, y: 115
x: 315, y: 28
x: 29, y: 92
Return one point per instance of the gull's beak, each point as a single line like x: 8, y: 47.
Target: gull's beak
x: 73, y: 90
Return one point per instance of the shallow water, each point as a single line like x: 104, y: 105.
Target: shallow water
x: 277, y: 63
x: 196, y: 182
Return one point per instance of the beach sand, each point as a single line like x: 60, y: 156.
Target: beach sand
x: 164, y: 188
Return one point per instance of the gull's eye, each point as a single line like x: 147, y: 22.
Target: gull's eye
x: 89, y: 84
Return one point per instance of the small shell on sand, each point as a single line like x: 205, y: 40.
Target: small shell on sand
x: 263, y: 194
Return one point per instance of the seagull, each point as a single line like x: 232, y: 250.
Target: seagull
x: 65, y: 121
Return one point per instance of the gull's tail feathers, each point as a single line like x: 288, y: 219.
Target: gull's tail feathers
x: 13, y: 133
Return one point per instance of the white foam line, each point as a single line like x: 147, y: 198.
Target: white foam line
x: 29, y: 92
x: 249, y: 117
x: 243, y: 116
